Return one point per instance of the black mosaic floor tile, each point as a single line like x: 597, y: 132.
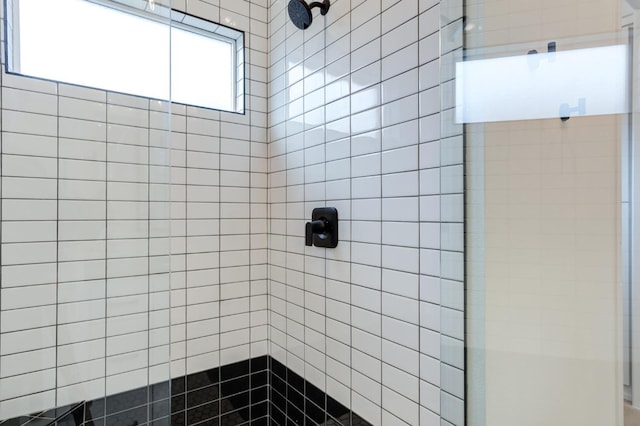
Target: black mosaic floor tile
x: 94, y: 409
x: 203, y: 379
x: 313, y: 412
x: 235, y: 386
x: 59, y: 412
x: 260, y: 364
x: 127, y: 400
x: 295, y: 398
x: 235, y: 402
x: 294, y: 414
x: 277, y: 416
x: 17, y: 421
x: 178, y: 403
x: 165, y: 421
x: 203, y: 412
x: 263, y: 421
x: 209, y: 422
x: 279, y: 401
x: 73, y: 418
x: 344, y: 421
x: 259, y: 410
x: 278, y: 369
x: 315, y: 395
x: 356, y: 420
x: 203, y: 396
x: 133, y: 417
x: 310, y: 422
x: 233, y: 419
x: 178, y: 385
x: 40, y: 421
x: 335, y: 409
x: 232, y: 371
x: 279, y: 384
x: 291, y: 422
x: 258, y: 392
x: 259, y: 379
x: 160, y: 391
x: 295, y: 381
x: 95, y: 422
x: 179, y: 419
x: 159, y: 409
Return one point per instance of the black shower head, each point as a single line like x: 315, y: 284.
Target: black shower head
x: 300, y: 12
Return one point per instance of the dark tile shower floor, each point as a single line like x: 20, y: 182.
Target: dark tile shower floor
x: 256, y: 392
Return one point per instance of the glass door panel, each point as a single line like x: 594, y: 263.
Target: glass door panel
x: 547, y: 211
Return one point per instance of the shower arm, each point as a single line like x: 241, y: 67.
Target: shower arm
x: 324, y: 6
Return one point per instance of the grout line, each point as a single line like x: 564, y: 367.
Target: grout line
x: 148, y: 362
x: 57, y: 240
x: 381, y: 235
x: 106, y: 246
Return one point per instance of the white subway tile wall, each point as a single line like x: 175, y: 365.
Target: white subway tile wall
x: 140, y: 239
x: 360, y: 119
x: 134, y: 232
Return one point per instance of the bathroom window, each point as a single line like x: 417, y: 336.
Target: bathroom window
x: 135, y: 47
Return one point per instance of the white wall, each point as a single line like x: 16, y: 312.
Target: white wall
x: 355, y: 122
x: 98, y: 190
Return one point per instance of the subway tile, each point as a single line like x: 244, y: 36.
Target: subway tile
x: 127, y: 116
x: 29, y: 123
x: 25, y: 144
x: 370, y: 411
x: 28, y: 318
x: 79, y: 92
x: 28, y: 296
x: 404, y: 109
x: 26, y: 362
x: 24, y: 232
x: 400, y: 308
x: 28, y: 188
x: 401, y: 35
x: 26, y: 384
x: 400, y: 160
x: 29, y: 274
x: 400, y: 283
x: 27, y: 340
x: 81, y: 190
x: 25, y: 253
x: 82, y: 109
x: 81, y: 129
x: 400, y: 234
x: 28, y: 166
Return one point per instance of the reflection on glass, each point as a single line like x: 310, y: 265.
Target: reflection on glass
x: 545, y: 205
x: 543, y: 85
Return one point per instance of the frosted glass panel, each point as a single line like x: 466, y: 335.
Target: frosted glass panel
x: 543, y: 85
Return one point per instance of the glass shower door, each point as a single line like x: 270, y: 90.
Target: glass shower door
x: 84, y: 325
x: 544, y: 92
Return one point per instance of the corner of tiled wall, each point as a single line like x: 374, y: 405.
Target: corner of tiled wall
x: 219, y: 287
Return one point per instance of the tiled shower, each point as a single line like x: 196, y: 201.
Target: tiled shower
x: 154, y: 268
